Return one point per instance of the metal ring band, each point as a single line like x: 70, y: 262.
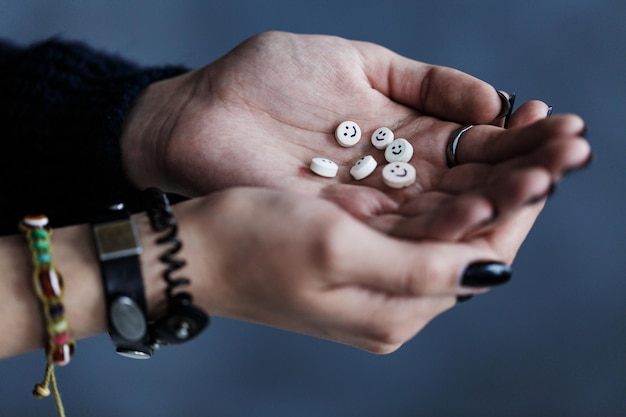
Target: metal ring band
x: 453, y: 143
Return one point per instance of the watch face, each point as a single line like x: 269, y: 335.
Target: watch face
x: 127, y: 319
x: 116, y: 239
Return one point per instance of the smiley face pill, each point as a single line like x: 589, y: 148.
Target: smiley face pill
x: 324, y: 167
x: 400, y: 150
x: 348, y: 134
x: 399, y: 174
x: 382, y: 137
x: 363, y: 167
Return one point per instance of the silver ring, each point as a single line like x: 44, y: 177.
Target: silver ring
x: 453, y: 144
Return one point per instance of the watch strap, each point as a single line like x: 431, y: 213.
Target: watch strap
x: 118, y: 248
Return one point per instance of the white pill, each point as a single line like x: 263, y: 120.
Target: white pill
x: 398, y: 174
x: 363, y: 167
x: 324, y: 167
x: 382, y: 137
x: 348, y: 134
x: 400, y: 150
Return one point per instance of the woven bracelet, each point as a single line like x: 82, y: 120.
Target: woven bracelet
x: 48, y: 286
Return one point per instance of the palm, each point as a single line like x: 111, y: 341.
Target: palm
x: 288, y: 100
x: 258, y: 115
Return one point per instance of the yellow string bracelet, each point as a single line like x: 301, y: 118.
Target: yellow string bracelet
x: 48, y: 286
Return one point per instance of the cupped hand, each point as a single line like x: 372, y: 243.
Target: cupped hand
x: 301, y: 263
x: 259, y: 115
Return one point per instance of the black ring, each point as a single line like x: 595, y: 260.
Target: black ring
x: 453, y: 144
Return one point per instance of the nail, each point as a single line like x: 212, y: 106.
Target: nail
x: 463, y: 298
x: 541, y: 197
x: 549, y: 112
x: 486, y: 274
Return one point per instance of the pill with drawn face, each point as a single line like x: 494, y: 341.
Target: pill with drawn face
x: 348, y: 133
x: 399, y: 174
x: 363, y: 167
x: 400, y: 150
x: 324, y: 167
x: 382, y: 137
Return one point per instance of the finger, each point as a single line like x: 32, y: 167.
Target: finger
x: 453, y: 218
x: 528, y: 113
x: 521, y: 181
x: 507, y: 188
x: 377, y: 322
x: 361, y: 202
x: 508, y: 101
x: 438, y: 91
x: 559, y: 156
x: 490, y: 144
x: 416, y: 268
x: 506, y: 233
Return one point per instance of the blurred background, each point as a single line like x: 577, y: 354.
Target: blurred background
x: 550, y: 343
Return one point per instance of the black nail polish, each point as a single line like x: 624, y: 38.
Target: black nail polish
x: 463, y: 298
x: 486, y: 274
x: 549, y: 112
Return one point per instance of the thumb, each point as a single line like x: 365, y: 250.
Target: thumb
x: 424, y: 268
x: 439, y: 91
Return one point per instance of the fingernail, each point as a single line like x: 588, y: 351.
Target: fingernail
x: 463, y: 298
x: 543, y: 196
x: 486, y: 274
x: 549, y: 112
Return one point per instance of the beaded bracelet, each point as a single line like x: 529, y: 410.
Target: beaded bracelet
x: 48, y: 286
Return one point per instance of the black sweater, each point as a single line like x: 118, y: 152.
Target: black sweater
x: 62, y: 106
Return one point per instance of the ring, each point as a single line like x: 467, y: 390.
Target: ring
x: 508, y: 101
x: 453, y: 144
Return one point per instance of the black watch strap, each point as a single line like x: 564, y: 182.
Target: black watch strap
x: 117, y: 244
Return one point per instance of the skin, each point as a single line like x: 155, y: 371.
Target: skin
x: 272, y: 104
x: 268, y: 241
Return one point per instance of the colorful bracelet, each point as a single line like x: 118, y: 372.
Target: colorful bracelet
x: 48, y: 286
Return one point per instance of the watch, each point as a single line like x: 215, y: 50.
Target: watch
x: 117, y: 244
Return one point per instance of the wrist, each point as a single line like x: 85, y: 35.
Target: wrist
x: 84, y: 296
x: 20, y: 313
x: 147, y: 128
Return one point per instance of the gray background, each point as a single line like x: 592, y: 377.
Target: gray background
x: 551, y: 343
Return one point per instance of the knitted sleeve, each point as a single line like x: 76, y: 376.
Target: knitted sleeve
x: 62, y: 106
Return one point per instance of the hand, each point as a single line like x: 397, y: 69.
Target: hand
x: 302, y: 264
x: 258, y: 115
x: 272, y: 103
